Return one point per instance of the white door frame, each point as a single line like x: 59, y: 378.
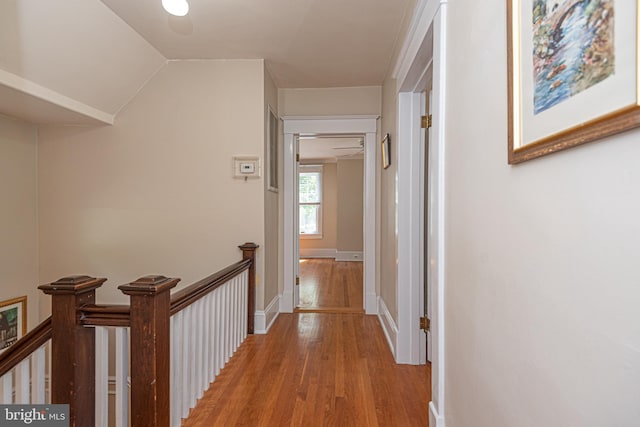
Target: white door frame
x: 296, y: 125
x: 424, y: 47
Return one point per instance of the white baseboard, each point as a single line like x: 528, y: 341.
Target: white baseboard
x: 435, y: 419
x: 349, y: 255
x: 264, y: 319
x: 388, y: 325
x: 286, y: 302
x: 371, y: 303
x: 317, y: 253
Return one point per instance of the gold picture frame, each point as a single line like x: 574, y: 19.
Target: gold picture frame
x: 561, y: 96
x: 13, y: 321
x: 386, y: 151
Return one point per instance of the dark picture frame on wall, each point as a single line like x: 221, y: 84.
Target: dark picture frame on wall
x: 386, y: 151
x: 572, y: 73
x: 272, y: 151
x: 13, y: 321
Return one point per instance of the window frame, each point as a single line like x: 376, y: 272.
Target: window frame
x: 312, y: 169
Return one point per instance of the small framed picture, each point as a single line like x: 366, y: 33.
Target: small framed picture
x: 386, y: 151
x: 13, y: 321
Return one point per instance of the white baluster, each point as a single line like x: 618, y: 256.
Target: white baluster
x: 210, y: 339
x: 199, y: 328
x: 234, y: 314
x: 218, y: 331
x: 38, y: 376
x: 184, y: 392
x: 122, y: 374
x: 225, y: 331
x: 222, y: 327
x: 102, y: 376
x: 192, y: 365
x: 176, y: 369
x: 22, y: 382
x: 207, y: 339
x: 243, y: 287
x: 7, y: 388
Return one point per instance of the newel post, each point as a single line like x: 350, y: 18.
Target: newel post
x: 73, y: 348
x: 150, y: 350
x: 249, y: 252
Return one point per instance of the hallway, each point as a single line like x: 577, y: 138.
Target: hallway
x: 316, y: 369
x: 331, y: 286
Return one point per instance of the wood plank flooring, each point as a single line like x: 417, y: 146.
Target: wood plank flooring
x: 327, y: 285
x: 316, y: 369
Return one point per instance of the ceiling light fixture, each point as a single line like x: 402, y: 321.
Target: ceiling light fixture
x: 176, y: 7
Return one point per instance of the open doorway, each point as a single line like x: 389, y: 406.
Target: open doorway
x: 331, y: 222
x: 294, y: 128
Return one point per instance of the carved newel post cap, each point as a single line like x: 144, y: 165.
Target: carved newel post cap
x: 149, y: 285
x: 72, y: 285
x: 249, y: 247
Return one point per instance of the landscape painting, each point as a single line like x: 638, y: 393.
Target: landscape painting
x: 12, y: 321
x: 573, y: 48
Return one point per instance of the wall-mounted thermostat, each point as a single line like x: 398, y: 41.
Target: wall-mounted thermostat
x: 246, y: 167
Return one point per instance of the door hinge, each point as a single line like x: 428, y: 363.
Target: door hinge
x: 297, y: 280
x: 426, y: 122
x: 298, y: 157
x: 425, y: 324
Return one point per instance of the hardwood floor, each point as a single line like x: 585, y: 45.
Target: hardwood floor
x: 316, y: 369
x: 327, y: 285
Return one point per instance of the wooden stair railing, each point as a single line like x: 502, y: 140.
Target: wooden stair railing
x: 23, y: 367
x: 24, y: 347
x: 79, y: 332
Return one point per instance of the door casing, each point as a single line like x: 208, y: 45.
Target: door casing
x: 293, y: 127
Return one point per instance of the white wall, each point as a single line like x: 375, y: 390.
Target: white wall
x: 330, y: 101
x: 350, y: 205
x: 154, y: 194
x: 18, y: 214
x: 388, y: 211
x: 542, y: 282
x: 272, y: 204
x: 77, y: 49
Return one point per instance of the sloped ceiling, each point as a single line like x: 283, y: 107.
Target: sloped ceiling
x: 71, y: 59
x: 81, y: 61
x: 306, y: 43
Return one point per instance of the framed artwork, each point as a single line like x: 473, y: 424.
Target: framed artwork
x: 272, y: 151
x: 13, y: 321
x: 572, y: 73
x: 386, y: 151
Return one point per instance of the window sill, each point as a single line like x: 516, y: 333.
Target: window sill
x: 310, y: 236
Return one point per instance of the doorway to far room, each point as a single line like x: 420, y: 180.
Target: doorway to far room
x: 330, y: 184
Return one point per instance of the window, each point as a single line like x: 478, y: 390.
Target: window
x: 310, y: 201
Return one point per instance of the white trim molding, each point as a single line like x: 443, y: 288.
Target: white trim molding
x: 264, y: 318
x: 298, y: 125
x: 35, y: 90
x: 424, y: 46
x: 317, y: 253
x: 423, y: 17
x: 409, y: 238
x: 388, y: 325
x: 435, y: 419
x: 349, y: 255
